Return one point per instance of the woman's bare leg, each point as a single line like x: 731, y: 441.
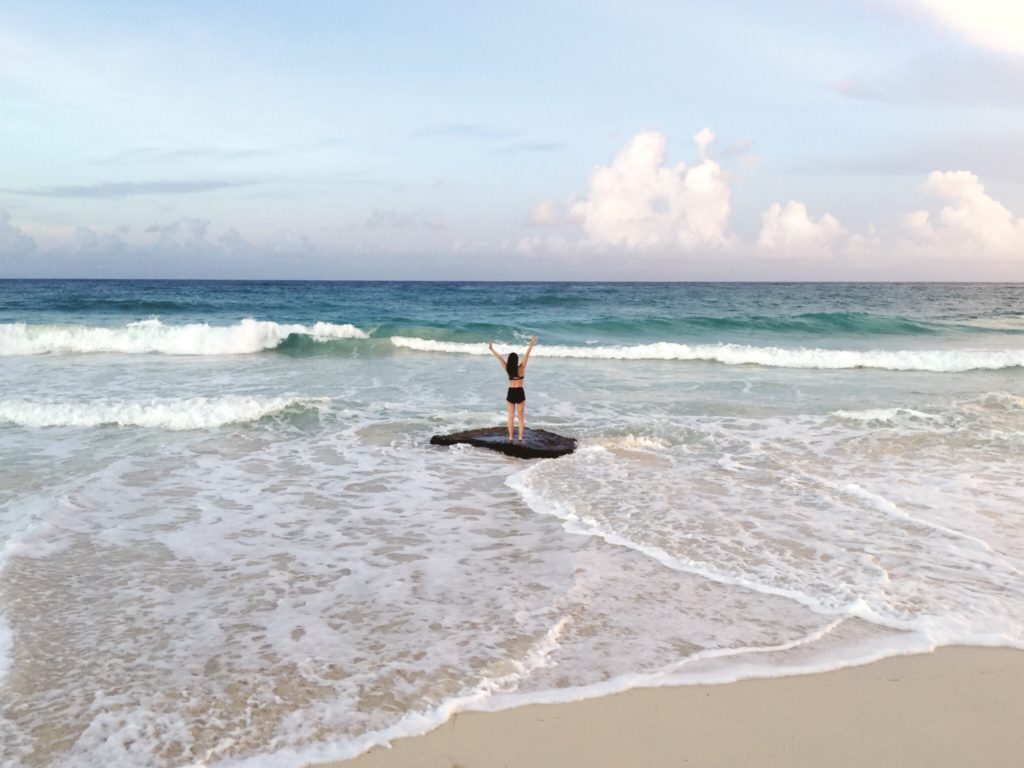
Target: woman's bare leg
x: 522, y: 425
x: 511, y: 417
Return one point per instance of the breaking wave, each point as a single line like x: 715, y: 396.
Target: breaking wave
x: 738, y: 354
x: 152, y: 336
x: 886, y: 415
x: 169, y: 413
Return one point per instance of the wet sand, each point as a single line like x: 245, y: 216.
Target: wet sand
x: 956, y: 707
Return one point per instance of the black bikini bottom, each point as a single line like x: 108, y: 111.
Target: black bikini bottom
x: 516, y: 395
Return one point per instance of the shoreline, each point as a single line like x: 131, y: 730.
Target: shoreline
x: 957, y: 706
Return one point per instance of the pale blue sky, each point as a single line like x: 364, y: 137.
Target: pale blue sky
x: 416, y: 140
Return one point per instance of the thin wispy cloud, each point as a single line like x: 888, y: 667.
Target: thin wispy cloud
x: 737, y: 148
x: 463, y: 131
x: 390, y: 218
x: 111, y: 189
x: 531, y: 147
x: 156, y: 154
x: 980, y: 79
x: 160, y: 154
x: 991, y: 154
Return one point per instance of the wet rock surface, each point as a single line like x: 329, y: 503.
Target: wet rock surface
x: 536, y: 444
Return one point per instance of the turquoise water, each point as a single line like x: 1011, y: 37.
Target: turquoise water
x: 227, y: 540
x: 565, y: 313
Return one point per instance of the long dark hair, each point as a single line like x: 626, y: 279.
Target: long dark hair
x: 512, y: 366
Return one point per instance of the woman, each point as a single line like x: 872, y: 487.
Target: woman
x: 516, y: 394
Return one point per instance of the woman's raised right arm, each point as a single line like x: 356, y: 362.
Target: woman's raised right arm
x: 526, y: 359
x: 490, y: 348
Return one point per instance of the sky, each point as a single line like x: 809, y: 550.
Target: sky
x: 557, y: 140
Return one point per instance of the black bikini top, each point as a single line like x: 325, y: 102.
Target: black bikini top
x: 515, y: 378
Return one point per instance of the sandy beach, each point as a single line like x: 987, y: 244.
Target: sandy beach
x: 955, y: 707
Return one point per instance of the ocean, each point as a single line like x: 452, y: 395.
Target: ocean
x: 226, y: 540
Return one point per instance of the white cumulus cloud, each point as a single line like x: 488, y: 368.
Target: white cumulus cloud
x: 789, y: 231
x: 13, y: 241
x: 546, y: 213
x: 970, y: 225
x: 971, y: 222
x: 994, y: 24
x: 703, y: 140
x: 642, y: 203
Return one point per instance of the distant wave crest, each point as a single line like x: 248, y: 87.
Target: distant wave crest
x: 169, y: 413
x: 739, y: 354
x: 887, y: 415
x: 152, y: 336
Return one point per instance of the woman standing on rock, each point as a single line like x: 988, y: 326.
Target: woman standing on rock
x: 516, y: 396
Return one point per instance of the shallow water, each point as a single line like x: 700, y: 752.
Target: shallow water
x: 226, y: 540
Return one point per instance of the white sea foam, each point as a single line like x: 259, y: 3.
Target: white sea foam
x: 884, y: 505
x: 636, y: 443
x: 6, y: 643
x: 168, y: 413
x: 886, y: 415
x: 716, y: 666
x: 304, y: 559
x: 152, y: 336
x: 588, y: 525
x: 739, y: 354
x: 303, y: 590
x: 849, y: 559
x: 1002, y: 400
x: 116, y: 740
x: 479, y: 697
x: 712, y: 667
x: 728, y: 665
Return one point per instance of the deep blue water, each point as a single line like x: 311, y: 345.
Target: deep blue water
x: 563, y: 313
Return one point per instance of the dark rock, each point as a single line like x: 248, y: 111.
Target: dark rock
x: 537, y: 443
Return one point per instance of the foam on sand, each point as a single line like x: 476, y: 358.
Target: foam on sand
x: 152, y: 336
x: 901, y: 585
x: 5, y: 647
